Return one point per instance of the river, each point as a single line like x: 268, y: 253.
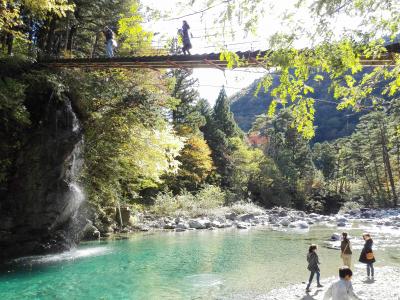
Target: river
x: 219, y: 264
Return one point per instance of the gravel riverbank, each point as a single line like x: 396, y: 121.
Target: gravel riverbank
x: 386, y: 286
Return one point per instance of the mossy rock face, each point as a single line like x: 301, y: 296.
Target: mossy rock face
x: 38, y: 191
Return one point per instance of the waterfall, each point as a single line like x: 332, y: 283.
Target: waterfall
x: 74, y: 196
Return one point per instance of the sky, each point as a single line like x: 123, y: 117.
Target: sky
x: 203, y: 29
x: 204, y: 40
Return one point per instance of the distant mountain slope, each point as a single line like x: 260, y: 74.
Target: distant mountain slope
x: 331, y: 123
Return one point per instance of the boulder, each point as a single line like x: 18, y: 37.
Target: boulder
x: 283, y: 213
x: 182, y: 226
x: 335, y: 237
x: 341, y: 224
x: 246, y: 217
x: 285, y: 222
x: 302, y: 225
x: 197, y: 224
x: 217, y: 224
x: 180, y: 229
x: 90, y: 232
x: 170, y: 226
x: 341, y: 219
x: 242, y: 225
x: 231, y: 216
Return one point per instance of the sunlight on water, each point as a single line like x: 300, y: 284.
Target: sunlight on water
x: 69, y: 255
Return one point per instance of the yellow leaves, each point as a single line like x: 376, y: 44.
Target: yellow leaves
x: 272, y: 108
x: 303, y: 114
x: 42, y: 7
x: 394, y: 86
x: 132, y: 35
x: 318, y: 78
x: 230, y: 57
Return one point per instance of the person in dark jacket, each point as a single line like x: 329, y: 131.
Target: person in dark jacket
x: 345, y: 250
x: 313, y: 262
x: 187, y: 45
x: 367, y: 255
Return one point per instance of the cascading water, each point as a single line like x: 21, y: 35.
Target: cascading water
x: 75, y: 196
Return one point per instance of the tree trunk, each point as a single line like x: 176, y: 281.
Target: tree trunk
x: 96, y: 41
x: 375, y: 167
x: 10, y: 43
x: 72, y: 32
x: 50, y: 35
x: 386, y: 160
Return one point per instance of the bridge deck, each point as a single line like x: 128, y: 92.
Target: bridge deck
x: 212, y: 60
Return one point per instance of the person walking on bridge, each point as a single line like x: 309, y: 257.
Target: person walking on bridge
x: 110, y: 42
x: 187, y: 45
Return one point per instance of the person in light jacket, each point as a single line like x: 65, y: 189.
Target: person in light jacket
x: 313, y: 262
x: 342, y: 289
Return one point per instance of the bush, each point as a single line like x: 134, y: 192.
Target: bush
x: 348, y: 206
x: 186, y: 204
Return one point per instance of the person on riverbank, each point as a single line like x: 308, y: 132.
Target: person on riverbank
x: 367, y: 255
x: 343, y: 288
x: 187, y: 45
x: 313, y: 262
x: 345, y: 250
x: 110, y: 42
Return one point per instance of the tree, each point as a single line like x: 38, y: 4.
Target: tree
x: 219, y: 128
x: 196, y: 165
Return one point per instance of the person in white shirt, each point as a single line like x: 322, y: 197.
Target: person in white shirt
x: 342, y: 289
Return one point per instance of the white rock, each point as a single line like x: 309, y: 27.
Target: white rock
x: 285, y: 222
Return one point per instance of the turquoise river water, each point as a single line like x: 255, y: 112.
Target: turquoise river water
x: 221, y: 264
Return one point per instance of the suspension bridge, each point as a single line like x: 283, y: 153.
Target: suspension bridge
x: 210, y: 60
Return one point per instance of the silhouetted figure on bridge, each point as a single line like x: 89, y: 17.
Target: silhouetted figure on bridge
x: 184, y: 32
x: 110, y: 42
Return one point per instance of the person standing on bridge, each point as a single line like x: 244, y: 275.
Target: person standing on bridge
x: 187, y: 45
x: 110, y: 42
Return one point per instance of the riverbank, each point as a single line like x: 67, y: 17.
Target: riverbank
x: 244, y: 216
x: 385, y: 286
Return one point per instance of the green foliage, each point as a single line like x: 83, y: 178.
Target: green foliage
x: 129, y: 143
x: 186, y: 204
x: 219, y: 128
x: 336, y: 54
x: 14, y: 118
x: 131, y: 33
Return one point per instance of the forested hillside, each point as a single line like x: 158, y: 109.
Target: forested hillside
x: 330, y: 122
